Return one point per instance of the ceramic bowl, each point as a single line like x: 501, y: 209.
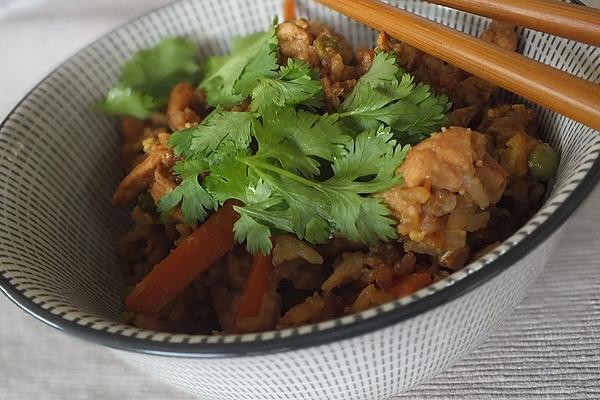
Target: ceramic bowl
x: 58, y: 230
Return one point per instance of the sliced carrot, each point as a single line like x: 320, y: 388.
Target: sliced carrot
x: 257, y: 286
x: 289, y: 10
x: 410, y: 283
x: 195, y: 254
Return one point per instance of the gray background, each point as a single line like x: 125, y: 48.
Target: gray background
x: 549, y: 347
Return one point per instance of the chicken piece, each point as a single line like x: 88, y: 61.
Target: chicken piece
x: 184, y: 101
x: 448, y: 178
x: 142, y: 175
x: 452, y: 160
x: 295, y: 41
x: 364, y: 59
x: 335, y: 55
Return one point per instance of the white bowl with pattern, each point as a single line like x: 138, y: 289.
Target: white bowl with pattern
x: 58, y: 230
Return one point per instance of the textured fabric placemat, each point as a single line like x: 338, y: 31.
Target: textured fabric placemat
x: 548, y: 349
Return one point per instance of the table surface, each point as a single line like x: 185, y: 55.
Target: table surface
x: 548, y: 348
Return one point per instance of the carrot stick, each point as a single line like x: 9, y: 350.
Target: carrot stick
x: 410, y: 283
x: 289, y: 10
x: 256, y: 287
x: 194, y: 255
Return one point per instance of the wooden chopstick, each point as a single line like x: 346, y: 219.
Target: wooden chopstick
x: 557, y: 90
x: 562, y: 19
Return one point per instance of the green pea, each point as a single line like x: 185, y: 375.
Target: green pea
x: 543, y: 162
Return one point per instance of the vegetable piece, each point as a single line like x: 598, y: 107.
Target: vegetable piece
x: 543, y: 162
x: 194, y: 199
x: 387, y: 95
x: 257, y: 286
x: 147, y: 79
x: 218, y: 128
x: 294, y: 84
x: 194, y: 255
x: 300, y: 140
x: 289, y: 10
x: 410, y: 283
x: 230, y: 79
x: 123, y: 100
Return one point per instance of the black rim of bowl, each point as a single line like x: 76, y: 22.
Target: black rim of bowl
x: 314, y: 338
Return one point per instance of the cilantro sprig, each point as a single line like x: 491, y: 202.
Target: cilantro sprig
x: 387, y: 95
x: 147, y: 79
x: 295, y: 168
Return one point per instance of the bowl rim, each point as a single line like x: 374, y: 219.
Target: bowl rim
x: 360, y: 326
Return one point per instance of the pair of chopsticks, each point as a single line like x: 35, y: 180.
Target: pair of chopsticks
x: 557, y: 90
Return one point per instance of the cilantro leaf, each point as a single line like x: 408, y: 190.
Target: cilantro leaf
x: 294, y: 84
x: 369, y: 167
x: 373, y: 155
x: 230, y: 79
x: 156, y: 70
x: 194, y: 199
x: 256, y: 235
x: 298, y: 140
x: 263, y: 64
x: 378, y: 87
x: 217, y: 128
x: 230, y: 179
x: 387, y: 95
x: 147, y: 79
x: 307, y: 209
x: 122, y: 100
x: 256, y: 224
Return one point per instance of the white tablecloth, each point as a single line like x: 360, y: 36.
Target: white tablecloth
x: 549, y: 348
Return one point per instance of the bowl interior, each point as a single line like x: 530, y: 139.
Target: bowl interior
x: 60, y: 162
